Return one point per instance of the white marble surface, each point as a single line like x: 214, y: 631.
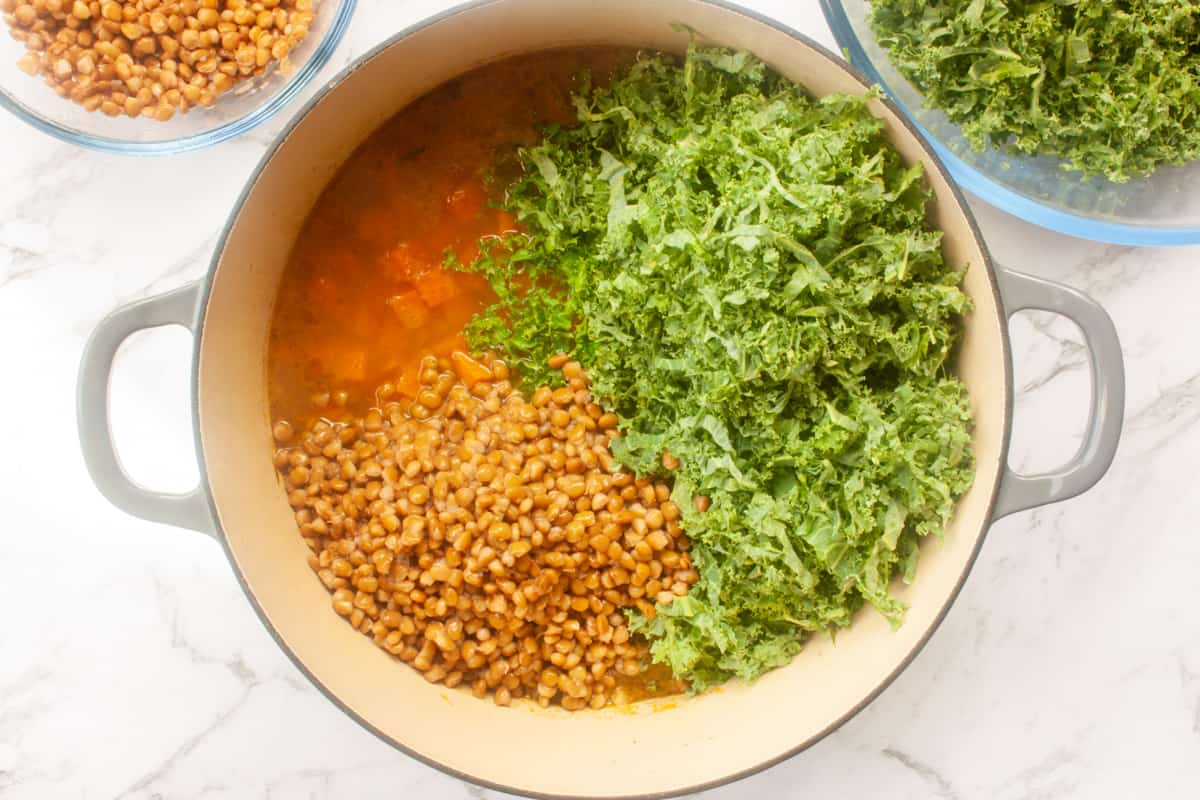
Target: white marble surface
x: 131, y: 665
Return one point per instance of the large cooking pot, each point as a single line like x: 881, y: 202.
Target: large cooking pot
x: 657, y: 750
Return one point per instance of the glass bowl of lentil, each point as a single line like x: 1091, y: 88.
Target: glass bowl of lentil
x: 144, y: 77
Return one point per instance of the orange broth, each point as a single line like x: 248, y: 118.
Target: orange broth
x: 364, y: 294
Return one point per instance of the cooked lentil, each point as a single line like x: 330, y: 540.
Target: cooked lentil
x: 485, y: 538
x: 153, y: 58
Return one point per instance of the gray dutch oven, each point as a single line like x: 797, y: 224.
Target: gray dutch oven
x: 651, y: 750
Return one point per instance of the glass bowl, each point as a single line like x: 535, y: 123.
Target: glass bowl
x: 247, y: 105
x: 1161, y: 209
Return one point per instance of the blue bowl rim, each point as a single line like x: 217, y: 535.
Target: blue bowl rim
x: 989, y: 190
x: 105, y: 144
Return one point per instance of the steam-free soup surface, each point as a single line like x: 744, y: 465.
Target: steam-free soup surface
x: 364, y: 295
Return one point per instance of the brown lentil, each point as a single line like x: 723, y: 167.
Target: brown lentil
x: 477, y: 535
x: 129, y: 57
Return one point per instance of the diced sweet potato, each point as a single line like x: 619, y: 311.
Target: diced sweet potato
x: 469, y: 370
x: 408, y: 382
x: 436, y: 287
x: 342, y: 363
x: 409, y: 309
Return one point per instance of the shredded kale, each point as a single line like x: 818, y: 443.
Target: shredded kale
x: 749, y: 276
x: 1111, y: 88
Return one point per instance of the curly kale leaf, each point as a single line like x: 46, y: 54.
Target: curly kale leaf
x: 750, y: 278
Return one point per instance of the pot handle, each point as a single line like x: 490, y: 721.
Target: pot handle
x: 178, y: 307
x: 1091, y: 461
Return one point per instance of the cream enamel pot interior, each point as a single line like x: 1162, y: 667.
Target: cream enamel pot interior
x: 649, y: 750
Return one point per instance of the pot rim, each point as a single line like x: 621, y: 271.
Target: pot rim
x: 206, y: 289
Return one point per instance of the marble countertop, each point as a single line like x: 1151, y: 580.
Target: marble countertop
x: 131, y: 665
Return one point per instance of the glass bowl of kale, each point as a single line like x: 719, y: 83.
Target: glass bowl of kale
x: 1081, y: 117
